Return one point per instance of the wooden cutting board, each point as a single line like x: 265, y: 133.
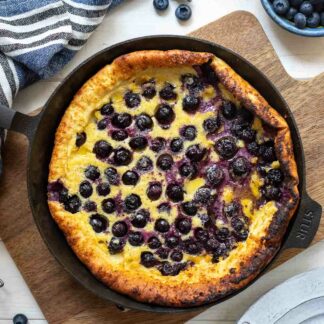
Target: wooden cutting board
x: 59, y: 296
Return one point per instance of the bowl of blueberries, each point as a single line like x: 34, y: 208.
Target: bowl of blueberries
x: 305, y: 18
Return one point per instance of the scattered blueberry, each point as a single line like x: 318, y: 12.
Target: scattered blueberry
x: 92, y: 172
x: 231, y: 210
x: 176, y: 145
x: 112, y: 176
x: 172, y: 241
x: 226, y: 147
x: 167, y: 93
x: 203, y: 195
x: 99, y: 223
x: 161, y: 4
x: 103, y: 189
x: 132, y: 202
x: 281, y: 6
x: 183, y: 12
x: 274, y: 177
x: 90, y: 206
x: 149, y: 92
x: 102, y: 124
x: 183, y: 225
x: 188, y: 170
x: 176, y: 256
x: 102, y: 149
x: 140, y: 219
x: 164, y: 162
x: 119, y: 229
x: 147, y: 259
x: 211, y: 125
x: 201, y: 234
x: 108, y: 205
x: 240, y: 167
x: 130, y: 178
x: 192, y: 247
x: 161, y: 225
x: 228, y: 109
x: 154, y: 191
x: 116, y: 245
x: 222, y: 234
x: 73, y: 204
x: 85, y: 189
x: 144, y: 164
x: 195, y: 153
x: 80, y: 139
x: 253, y: 148
x: 144, y: 122
x: 164, y: 114
x: 138, y: 143
x: 107, y: 109
x: 122, y: 156
x: 163, y: 253
x: 119, y: 135
x: 157, y: 144
x: 267, y: 151
x: 212, y: 245
x: 175, y: 192
x: 189, y: 133
x: 271, y: 193
x: 191, y: 82
x: 189, y: 208
x: 190, y: 103
x: 132, y: 99
x: 121, y: 120
x: 154, y: 243
x: 136, y: 238
x: 20, y: 319
x: 215, y: 175
x: 237, y: 224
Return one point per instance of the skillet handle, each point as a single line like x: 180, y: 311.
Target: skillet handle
x: 306, y: 224
x: 18, y: 122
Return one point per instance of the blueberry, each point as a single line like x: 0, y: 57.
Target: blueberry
x: 164, y: 208
x: 211, y: 125
x: 188, y: 170
x: 73, y: 204
x: 176, y: 145
x: 119, y: 135
x: 296, y: 3
x: 176, y: 256
x: 102, y: 124
x: 85, y: 189
x: 63, y: 195
x: 222, y: 234
x: 138, y: 143
x: 92, y: 172
x: 103, y: 189
x: 189, y: 208
x: 240, y: 167
x: 189, y: 133
x: 20, y: 319
x: 291, y: 13
x: 149, y: 92
x: 228, y: 109
x: 121, y: 120
x: 300, y: 20
x: 144, y: 164
x: 195, y: 153
x: 130, y: 178
x: 147, y: 259
x: 201, y: 234
x: 99, y: 223
x: 183, y: 12
x: 174, y: 192
x: 191, y: 82
x: 161, y: 225
x: 253, y: 148
x: 172, y: 241
x: 243, y: 130
x: 154, y: 243
x: 281, y: 6
x: 161, y: 4
x: 102, y: 149
x: 267, y: 151
x: 132, y: 202
x: 226, y: 147
x: 190, y: 103
x: 144, y: 122
x: 112, y: 176
x: 158, y: 144
x: 164, y: 114
x: 163, y: 253
x: 192, y: 247
x: 274, y: 177
x: 314, y: 20
x: 215, y: 175
x: 80, y: 139
x: 136, y: 238
x: 164, y: 162
x: 167, y: 269
x: 107, y: 109
x: 140, y: 219
x: 271, y: 193
x: 116, y: 245
x: 231, y: 210
x: 203, y: 195
x: 90, y: 206
x: 306, y: 8
x: 237, y: 224
x: 183, y: 225
x: 108, y: 205
x: 212, y: 245
x: 122, y: 156
x: 119, y: 229
x: 132, y: 99
x: 167, y: 93
x: 154, y: 191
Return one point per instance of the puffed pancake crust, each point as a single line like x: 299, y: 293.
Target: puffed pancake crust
x: 172, y: 178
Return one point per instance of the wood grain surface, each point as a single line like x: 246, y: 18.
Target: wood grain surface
x: 59, y: 296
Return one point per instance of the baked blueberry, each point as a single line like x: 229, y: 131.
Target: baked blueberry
x: 103, y: 189
x: 176, y: 256
x: 112, y: 176
x: 90, y: 206
x: 175, y: 192
x: 274, y: 177
x: 267, y: 151
x: 240, y: 167
x: 215, y: 175
x: 222, y: 234
x: 203, y: 195
x: 63, y: 195
x: 92, y: 172
x: 231, y: 210
x: 253, y: 148
x: 163, y: 253
x: 300, y: 20
x: 211, y: 125
x: 116, y: 245
x: 154, y: 243
x: 98, y: 222
x: 195, y: 153
x: 121, y: 120
x: 189, y: 132
x: 119, y: 135
x: 211, y: 244
x: 191, y: 82
x: 143, y: 122
x: 237, y: 224
x: 306, y: 8
x: 167, y: 93
x: 154, y: 191
x: 201, y: 234
x: 228, y: 109
x: 107, y: 109
x: 172, y: 241
x: 147, y: 259
x: 183, y: 12
x: 241, y: 236
x: 136, y: 238
x: 164, y: 114
x: 140, y: 219
x: 164, y: 207
x: 122, y: 156
x: 183, y: 225
x: 161, y: 225
x: 226, y: 147
x: 80, y: 139
x: 102, y: 149
x: 314, y: 20
x: 144, y: 164
x: 73, y: 204
x: 176, y: 145
x: 164, y: 162
x: 102, y: 124
x: 85, y: 189
x: 161, y: 4
x: 108, y: 205
x: 190, y: 103
x: 188, y: 170
x: 132, y: 202
x: 248, y: 134
x: 149, y: 92
x: 138, y: 143
x: 271, y: 192
x: 132, y: 99
x: 157, y: 144
x: 192, y: 247
x: 130, y: 178
x: 119, y: 229
x: 190, y: 208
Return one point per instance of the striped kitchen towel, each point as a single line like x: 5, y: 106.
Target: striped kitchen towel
x: 38, y: 37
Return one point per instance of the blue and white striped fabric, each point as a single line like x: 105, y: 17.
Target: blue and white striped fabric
x: 38, y: 37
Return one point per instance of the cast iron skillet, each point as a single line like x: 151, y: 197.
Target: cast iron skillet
x: 40, y: 131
